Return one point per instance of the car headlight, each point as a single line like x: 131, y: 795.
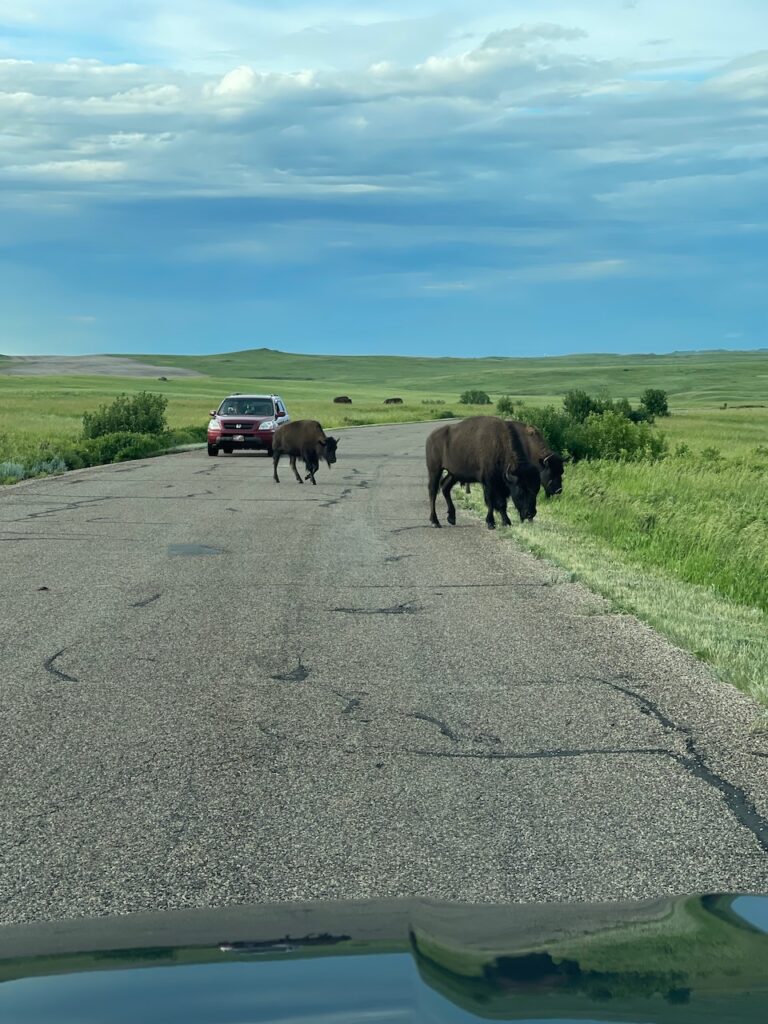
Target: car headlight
x: 268, y: 425
x: 214, y: 425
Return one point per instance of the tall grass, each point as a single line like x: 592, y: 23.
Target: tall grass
x: 704, y: 520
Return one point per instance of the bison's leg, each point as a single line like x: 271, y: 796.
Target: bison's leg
x: 467, y: 488
x: 501, y: 508
x: 275, y: 460
x: 295, y: 471
x: 445, y: 487
x: 435, y: 472
x: 490, y: 503
x: 311, y: 465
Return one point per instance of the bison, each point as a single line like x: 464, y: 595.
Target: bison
x: 482, y: 449
x: 393, y: 401
x: 306, y: 440
x: 343, y: 400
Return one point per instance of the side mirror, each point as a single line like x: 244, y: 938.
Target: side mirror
x: 212, y: 412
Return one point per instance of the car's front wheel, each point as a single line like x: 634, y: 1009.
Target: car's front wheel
x: 212, y: 449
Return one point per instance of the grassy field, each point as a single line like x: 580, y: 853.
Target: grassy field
x: 682, y: 543
x: 693, y: 378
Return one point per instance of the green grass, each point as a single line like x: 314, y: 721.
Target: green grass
x: 692, y: 378
x: 682, y: 543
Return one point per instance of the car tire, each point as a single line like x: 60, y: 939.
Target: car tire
x: 212, y: 449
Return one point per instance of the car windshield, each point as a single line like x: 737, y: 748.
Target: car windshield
x: 246, y: 407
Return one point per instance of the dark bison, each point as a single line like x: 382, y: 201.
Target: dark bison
x: 393, y: 401
x: 305, y: 440
x: 343, y: 400
x: 549, y: 463
x: 482, y: 449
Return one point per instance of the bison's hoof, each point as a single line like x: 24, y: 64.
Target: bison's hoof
x: 491, y: 526
x: 452, y: 520
x: 435, y: 523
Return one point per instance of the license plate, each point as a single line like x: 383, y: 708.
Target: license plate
x: 238, y: 437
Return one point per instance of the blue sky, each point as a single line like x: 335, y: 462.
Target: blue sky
x: 512, y: 178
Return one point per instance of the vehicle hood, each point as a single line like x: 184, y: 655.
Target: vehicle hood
x: 695, y: 958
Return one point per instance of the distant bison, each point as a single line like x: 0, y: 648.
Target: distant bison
x: 343, y: 400
x: 305, y: 440
x: 482, y: 449
x: 393, y: 401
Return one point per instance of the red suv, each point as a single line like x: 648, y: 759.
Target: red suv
x: 245, y: 421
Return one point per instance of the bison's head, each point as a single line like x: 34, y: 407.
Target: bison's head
x: 523, y: 484
x: 552, y: 474
x: 328, y: 449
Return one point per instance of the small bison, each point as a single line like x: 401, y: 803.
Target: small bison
x: 305, y: 440
x: 393, y: 401
x: 482, y: 449
x: 343, y: 400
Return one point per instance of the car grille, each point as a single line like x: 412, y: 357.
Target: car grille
x: 239, y: 426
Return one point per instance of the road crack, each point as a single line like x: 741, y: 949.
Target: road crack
x: 404, y: 608
x: 445, y: 730
x: 49, y: 666
x: 736, y: 800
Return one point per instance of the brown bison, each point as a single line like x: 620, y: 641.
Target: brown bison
x: 305, y: 440
x: 482, y: 449
x: 550, y: 464
x: 343, y: 400
x: 393, y: 401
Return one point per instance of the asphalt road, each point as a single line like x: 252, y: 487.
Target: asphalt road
x: 218, y: 690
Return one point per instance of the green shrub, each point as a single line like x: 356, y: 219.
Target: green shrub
x: 577, y: 405
x: 505, y: 406
x: 143, y: 413
x: 446, y: 414
x: 603, y: 435
x: 555, y: 425
x: 654, y: 401
x: 475, y: 398
x: 10, y: 472
x: 640, y: 415
x: 711, y: 454
x: 609, y: 435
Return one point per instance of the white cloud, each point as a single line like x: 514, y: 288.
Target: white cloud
x: 524, y: 35
x: 70, y: 170
x: 586, y: 270
x: 520, y: 115
x: 744, y: 79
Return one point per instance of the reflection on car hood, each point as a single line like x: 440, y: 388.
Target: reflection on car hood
x: 677, y: 960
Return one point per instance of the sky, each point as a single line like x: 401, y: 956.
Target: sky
x: 521, y: 178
